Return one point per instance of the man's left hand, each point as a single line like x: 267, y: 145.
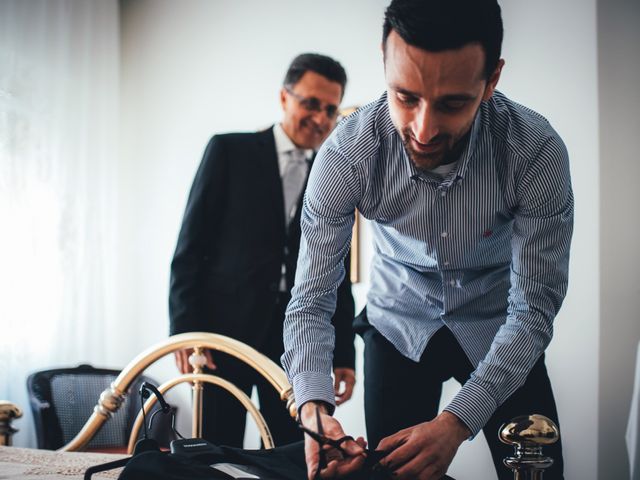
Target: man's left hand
x: 426, y: 450
x: 338, y: 465
x: 344, y: 381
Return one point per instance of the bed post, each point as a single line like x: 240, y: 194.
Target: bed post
x: 8, y: 412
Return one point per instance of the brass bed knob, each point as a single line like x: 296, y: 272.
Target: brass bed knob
x: 8, y: 412
x: 528, y: 434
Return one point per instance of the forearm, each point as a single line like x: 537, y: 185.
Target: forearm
x: 541, y: 238
x: 538, y: 285
x: 309, y: 337
x: 308, y: 356
x: 516, y: 347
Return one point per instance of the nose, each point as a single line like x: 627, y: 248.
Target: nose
x: 425, y: 124
x: 318, y: 116
x: 320, y: 119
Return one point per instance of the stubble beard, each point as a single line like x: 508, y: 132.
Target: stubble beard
x: 429, y: 161
x: 318, y: 133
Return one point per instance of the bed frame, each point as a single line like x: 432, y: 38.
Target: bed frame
x: 113, y: 397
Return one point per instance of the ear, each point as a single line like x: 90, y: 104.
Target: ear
x: 493, y: 81
x: 283, y: 98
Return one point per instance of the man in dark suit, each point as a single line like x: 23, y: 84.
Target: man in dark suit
x: 234, y: 264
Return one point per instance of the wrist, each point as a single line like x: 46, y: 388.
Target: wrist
x: 308, y: 410
x: 455, y: 425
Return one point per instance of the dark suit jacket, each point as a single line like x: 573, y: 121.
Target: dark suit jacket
x: 226, y: 270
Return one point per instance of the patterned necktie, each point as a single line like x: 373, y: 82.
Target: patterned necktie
x: 293, y: 179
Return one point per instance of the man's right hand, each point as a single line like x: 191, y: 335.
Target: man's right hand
x: 337, y: 465
x: 182, y: 360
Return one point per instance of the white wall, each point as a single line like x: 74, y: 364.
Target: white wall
x: 550, y: 49
x: 619, y: 78
x: 194, y: 68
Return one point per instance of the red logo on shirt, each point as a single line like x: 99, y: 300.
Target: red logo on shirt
x: 487, y: 233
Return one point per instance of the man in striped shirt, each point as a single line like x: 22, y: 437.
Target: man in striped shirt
x: 470, y: 202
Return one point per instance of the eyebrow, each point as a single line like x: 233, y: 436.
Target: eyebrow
x: 313, y: 98
x: 453, y: 97
x: 456, y: 97
x: 316, y: 99
x: 403, y: 91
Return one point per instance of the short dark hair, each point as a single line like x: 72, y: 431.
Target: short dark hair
x: 321, y: 64
x: 436, y: 25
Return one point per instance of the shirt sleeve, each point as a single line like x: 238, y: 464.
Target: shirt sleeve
x: 542, y: 230
x: 326, y: 225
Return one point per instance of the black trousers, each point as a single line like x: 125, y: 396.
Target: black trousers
x: 224, y: 416
x: 400, y: 393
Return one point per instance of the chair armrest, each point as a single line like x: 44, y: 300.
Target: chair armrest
x: 39, y: 404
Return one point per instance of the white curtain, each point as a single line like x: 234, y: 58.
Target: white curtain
x: 58, y: 165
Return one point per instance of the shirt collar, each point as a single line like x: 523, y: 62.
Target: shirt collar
x: 284, y: 144
x: 469, y: 150
x: 463, y: 162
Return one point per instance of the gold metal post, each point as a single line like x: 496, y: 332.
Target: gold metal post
x: 197, y: 360
x: 528, y: 433
x: 8, y: 412
x: 196, y: 419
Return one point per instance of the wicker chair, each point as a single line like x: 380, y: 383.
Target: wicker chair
x: 63, y: 398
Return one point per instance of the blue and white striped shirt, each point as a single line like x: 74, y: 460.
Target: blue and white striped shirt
x: 483, y: 251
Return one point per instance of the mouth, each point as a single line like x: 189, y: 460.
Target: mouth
x: 427, y: 148
x: 314, y: 129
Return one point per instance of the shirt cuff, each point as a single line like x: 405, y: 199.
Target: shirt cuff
x: 473, y: 405
x: 314, y: 386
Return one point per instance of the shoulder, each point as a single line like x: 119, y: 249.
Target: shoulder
x: 520, y: 130
x: 529, y: 151
x: 234, y: 139
x: 353, y: 154
x: 225, y: 145
x: 360, y: 135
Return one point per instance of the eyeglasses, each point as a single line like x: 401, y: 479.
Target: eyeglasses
x: 373, y: 457
x: 312, y: 104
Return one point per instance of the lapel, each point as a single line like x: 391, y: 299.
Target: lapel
x: 268, y: 160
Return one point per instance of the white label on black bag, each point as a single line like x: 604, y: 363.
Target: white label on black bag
x: 235, y: 471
